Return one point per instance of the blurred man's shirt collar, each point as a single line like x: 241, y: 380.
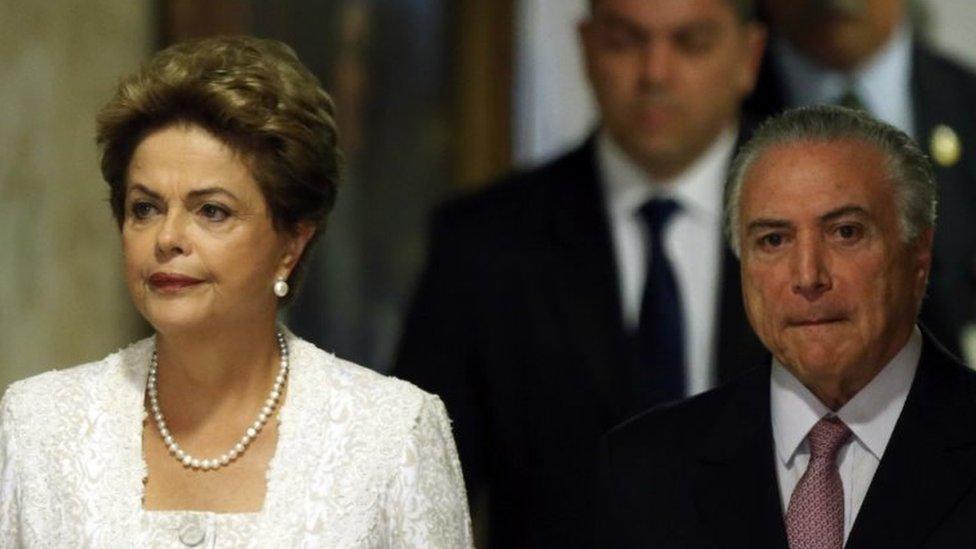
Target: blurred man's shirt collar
x: 696, y: 189
x: 882, y: 83
x: 693, y: 240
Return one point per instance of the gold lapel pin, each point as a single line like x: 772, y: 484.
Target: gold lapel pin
x: 944, y: 146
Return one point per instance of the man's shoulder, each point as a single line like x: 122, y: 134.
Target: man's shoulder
x: 942, y: 89
x: 933, y: 61
x: 944, y: 376
x: 674, y: 429
x: 520, y: 195
x: 651, y: 465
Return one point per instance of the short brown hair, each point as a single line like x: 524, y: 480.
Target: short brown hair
x: 745, y: 9
x: 251, y: 93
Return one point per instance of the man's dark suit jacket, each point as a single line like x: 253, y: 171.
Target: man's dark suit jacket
x: 943, y: 93
x: 517, y: 326
x: 701, y: 473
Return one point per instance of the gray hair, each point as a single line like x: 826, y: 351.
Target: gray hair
x: 908, y: 167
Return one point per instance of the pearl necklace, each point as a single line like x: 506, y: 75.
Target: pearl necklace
x: 189, y: 461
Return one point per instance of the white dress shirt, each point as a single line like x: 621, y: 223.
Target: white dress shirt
x: 882, y: 82
x: 871, y: 416
x: 693, y: 240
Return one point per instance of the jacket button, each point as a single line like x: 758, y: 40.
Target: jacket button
x: 191, y: 534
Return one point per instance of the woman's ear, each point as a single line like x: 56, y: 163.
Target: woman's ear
x: 295, y: 242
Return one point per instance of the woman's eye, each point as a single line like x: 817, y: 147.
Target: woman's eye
x: 141, y: 209
x: 214, y: 212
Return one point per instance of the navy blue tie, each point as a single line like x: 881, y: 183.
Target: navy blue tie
x: 659, y: 364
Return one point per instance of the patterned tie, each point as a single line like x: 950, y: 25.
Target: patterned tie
x: 659, y: 343
x: 815, y: 518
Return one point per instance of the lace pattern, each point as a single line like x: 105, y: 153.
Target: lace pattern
x: 362, y: 460
x: 200, y: 529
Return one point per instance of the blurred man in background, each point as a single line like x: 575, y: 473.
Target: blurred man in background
x: 865, y: 54
x: 560, y: 301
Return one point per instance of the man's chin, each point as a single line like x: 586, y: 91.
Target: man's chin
x: 815, y: 355
x: 659, y: 155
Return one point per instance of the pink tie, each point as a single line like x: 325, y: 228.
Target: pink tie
x: 815, y: 518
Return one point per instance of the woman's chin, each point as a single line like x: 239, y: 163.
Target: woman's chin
x: 174, y: 317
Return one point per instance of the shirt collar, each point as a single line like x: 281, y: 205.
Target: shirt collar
x: 699, y: 189
x: 882, y: 82
x: 871, y: 415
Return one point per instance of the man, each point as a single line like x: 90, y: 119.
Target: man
x: 862, y: 430
x: 863, y: 53
x: 532, y: 321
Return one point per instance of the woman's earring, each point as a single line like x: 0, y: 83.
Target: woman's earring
x: 280, y: 287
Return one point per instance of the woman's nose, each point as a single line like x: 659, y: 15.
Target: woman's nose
x: 171, y: 237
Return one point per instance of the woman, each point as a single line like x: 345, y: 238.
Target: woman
x: 224, y: 429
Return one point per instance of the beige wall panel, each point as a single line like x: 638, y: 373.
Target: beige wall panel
x: 62, y: 300
x: 952, y: 25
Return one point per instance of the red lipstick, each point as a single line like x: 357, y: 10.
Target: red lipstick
x: 172, y: 282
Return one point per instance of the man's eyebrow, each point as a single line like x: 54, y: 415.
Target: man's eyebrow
x: 767, y: 223
x: 844, y: 211
x: 693, y: 26
x: 702, y: 25
x: 771, y: 223
x: 614, y: 20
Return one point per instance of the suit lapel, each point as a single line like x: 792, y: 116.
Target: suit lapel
x: 929, y: 465
x: 583, y: 276
x: 930, y: 462
x: 736, y: 490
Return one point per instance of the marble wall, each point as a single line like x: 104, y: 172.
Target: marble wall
x: 62, y: 300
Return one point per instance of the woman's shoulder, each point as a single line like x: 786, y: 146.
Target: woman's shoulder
x: 346, y: 382
x: 77, y: 386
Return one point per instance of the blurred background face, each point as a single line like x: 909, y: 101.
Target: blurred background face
x: 668, y: 75
x: 839, y: 34
x: 830, y: 286
x: 197, y: 238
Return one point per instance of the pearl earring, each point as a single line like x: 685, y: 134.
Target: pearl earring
x: 280, y: 287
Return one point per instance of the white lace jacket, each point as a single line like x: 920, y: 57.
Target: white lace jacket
x: 362, y: 460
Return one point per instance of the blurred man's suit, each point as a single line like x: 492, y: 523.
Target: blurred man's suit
x: 940, y: 95
x: 532, y: 321
x: 517, y: 326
